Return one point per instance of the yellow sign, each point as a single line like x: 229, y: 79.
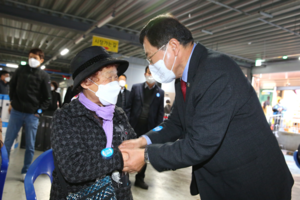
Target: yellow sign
x: 108, y: 44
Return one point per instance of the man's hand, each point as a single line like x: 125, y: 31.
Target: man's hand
x: 9, y: 108
x: 134, y: 144
x: 133, y: 159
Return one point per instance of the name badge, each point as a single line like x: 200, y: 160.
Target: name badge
x: 107, y: 153
x: 158, y: 128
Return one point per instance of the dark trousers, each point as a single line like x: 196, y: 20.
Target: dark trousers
x: 141, y: 174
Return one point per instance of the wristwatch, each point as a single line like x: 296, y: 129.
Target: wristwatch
x: 146, y: 156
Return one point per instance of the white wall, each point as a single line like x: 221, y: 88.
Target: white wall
x: 288, y: 66
x: 135, y: 74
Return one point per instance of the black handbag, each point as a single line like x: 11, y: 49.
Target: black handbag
x: 102, y: 189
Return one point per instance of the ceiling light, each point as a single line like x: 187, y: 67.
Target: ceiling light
x: 284, y: 57
x: 23, y: 62
x: 249, y: 43
x: 207, y: 32
x: 299, y: 58
x: 266, y: 14
x: 43, y: 67
x: 12, y: 65
x: 106, y: 20
x: 258, y: 62
x: 64, y: 52
x: 79, y: 39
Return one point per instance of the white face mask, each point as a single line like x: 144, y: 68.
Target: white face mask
x: 160, y: 72
x: 122, y: 83
x: 34, y: 63
x: 7, y: 79
x: 52, y: 88
x: 108, y: 94
x: 150, y: 79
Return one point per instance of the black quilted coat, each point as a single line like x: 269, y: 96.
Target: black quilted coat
x: 77, y: 140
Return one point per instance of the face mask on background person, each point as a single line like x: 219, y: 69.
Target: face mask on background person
x: 52, y: 88
x: 122, y: 83
x: 34, y: 63
x: 7, y: 79
x: 150, y: 79
x: 160, y: 72
x: 107, y: 94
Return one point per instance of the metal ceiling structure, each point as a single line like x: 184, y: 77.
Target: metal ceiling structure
x: 243, y: 29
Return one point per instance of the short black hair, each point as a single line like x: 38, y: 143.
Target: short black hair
x: 162, y: 28
x: 38, y: 52
x: 124, y: 76
x: 3, y: 72
x: 146, y: 69
x: 54, y: 84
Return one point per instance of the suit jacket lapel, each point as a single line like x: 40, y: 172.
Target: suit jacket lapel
x: 154, y: 95
x: 198, y: 58
x: 180, y: 102
x: 141, y: 92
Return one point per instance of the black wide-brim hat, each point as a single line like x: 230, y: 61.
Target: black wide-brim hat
x: 90, y: 60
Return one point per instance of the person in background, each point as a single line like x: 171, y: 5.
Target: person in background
x: 266, y: 103
x: 30, y: 95
x: 168, y: 107
x: 124, y: 94
x: 278, y: 108
x: 69, y: 95
x: 83, y: 129
x: 56, y: 101
x: 145, y: 111
x: 4, y: 82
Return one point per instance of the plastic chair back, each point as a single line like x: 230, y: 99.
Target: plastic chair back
x: 296, y: 159
x: 44, y: 164
x: 4, y: 166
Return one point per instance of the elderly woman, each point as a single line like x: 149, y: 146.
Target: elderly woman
x: 86, y: 132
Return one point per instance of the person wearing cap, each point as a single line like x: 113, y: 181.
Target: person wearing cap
x: 86, y: 132
x: 225, y: 135
x: 145, y: 110
x: 124, y: 94
x: 4, y: 82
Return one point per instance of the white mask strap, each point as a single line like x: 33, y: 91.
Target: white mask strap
x: 166, y: 51
x: 93, y: 82
x: 174, y: 63
x: 91, y: 90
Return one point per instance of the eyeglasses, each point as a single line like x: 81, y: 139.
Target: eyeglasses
x: 149, y: 59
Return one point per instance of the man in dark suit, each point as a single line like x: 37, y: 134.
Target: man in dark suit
x: 225, y: 135
x: 145, y: 110
x: 124, y: 94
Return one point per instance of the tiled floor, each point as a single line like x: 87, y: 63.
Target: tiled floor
x: 168, y: 185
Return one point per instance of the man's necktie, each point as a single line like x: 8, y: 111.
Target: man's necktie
x: 183, y: 88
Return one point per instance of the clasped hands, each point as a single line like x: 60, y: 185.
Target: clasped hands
x: 133, y: 153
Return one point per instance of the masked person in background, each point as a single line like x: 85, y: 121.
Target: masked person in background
x: 4, y: 82
x: 55, y: 102
x: 30, y: 95
x: 145, y: 111
x: 86, y: 132
x: 124, y: 94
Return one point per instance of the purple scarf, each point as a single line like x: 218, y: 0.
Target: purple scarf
x: 106, y: 113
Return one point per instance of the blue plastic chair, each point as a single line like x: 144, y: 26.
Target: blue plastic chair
x: 4, y: 166
x: 44, y: 164
x: 296, y: 159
